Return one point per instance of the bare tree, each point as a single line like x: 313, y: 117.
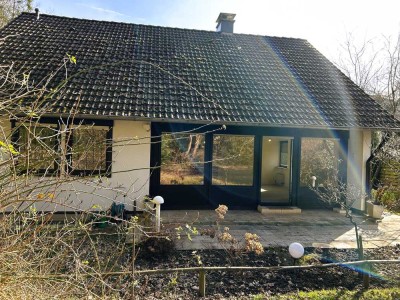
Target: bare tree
x: 360, y: 61
x: 9, y: 9
x: 391, y: 78
x: 374, y: 65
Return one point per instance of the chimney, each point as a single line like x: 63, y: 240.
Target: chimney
x: 225, y: 22
x: 37, y: 13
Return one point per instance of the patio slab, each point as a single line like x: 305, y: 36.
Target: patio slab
x: 312, y: 228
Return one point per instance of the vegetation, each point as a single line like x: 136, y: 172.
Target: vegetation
x: 46, y: 168
x: 388, y: 196
x: 374, y: 65
x: 182, y: 157
x: 319, y: 159
x: 340, y: 194
x: 373, y: 294
x: 9, y: 9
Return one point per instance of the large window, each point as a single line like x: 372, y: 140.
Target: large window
x: 233, y: 159
x: 182, y: 159
x: 319, y: 158
x: 38, y: 148
x: 77, y: 149
x: 88, y: 150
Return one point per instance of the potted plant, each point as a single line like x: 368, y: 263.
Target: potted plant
x: 374, y: 206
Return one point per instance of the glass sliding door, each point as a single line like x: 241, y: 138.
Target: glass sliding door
x: 319, y: 167
x: 182, y: 170
x: 182, y: 159
x: 233, y: 158
x: 319, y: 159
x: 232, y: 172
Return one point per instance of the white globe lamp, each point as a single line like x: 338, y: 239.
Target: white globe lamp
x: 158, y: 200
x: 296, y: 250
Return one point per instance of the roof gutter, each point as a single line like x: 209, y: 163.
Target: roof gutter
x: 188, y: 121
x: 386, y: 137
x: 217, y: 122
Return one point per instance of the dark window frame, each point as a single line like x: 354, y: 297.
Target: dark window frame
x: 57, y: 122
x: 91, y: 172
x: 15, y: 140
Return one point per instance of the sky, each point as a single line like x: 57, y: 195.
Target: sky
x: 323, y: 23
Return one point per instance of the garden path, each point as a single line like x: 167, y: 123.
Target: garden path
x: 311, y: 228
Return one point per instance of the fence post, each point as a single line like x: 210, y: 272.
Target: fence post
x: 366, y: 267
x: 360, y: 248
x: 202, y: 283
x: 366, y: 275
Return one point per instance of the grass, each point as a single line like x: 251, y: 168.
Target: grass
x: 372, y: 294
x: 181, y: 175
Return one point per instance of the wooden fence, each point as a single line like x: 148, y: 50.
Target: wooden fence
x: 202, y: 271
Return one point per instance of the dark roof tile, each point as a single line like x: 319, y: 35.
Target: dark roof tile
x: 129, y: 70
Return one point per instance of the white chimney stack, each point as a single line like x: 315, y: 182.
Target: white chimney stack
x: 225, y: 22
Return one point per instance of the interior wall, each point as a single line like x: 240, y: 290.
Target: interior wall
x: 270, y: 161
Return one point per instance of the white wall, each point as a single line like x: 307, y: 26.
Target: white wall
x: 129, y: 182
x: 5, y: 131
x: 359, y: 152
x: 132, y: 156
x: 5, y: 128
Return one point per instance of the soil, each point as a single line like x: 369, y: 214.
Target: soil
x: 241, y: 285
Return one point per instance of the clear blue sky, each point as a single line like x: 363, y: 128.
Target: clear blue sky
x: 323, y: 23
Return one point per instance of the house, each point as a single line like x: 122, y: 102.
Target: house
x: 198, y: 117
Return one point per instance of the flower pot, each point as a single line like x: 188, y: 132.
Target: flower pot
x: 374, y: 210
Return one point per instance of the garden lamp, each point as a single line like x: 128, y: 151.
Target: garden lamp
x: 313, y: 179
x: 296, y: 250
x: 158, y: 200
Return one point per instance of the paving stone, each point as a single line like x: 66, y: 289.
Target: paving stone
x: 310, y: 228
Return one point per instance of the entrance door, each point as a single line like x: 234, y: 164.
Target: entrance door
x: 276, y: 170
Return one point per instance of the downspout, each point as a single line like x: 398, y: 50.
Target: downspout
x: 377, y: 169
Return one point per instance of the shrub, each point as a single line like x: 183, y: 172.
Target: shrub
x: 389, y: 196
x: 157, y: 246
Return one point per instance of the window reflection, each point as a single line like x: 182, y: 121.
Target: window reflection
x: 182, y: 159
x: 319, y: 158
x: 233, y: 158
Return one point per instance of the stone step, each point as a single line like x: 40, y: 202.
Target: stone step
x: 278, y: 210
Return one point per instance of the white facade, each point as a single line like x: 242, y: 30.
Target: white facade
x: 358, y: 154
x: 128, y: 184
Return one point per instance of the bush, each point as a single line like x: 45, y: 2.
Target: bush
x: 157, y: 246
x: 388, y: 196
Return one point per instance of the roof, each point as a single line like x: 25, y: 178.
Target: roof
x: 171, y: 74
